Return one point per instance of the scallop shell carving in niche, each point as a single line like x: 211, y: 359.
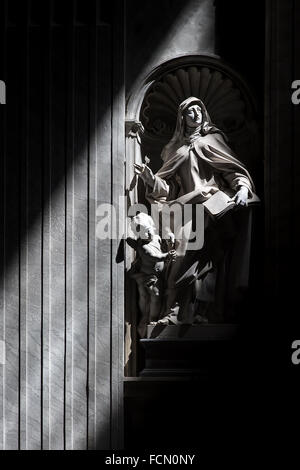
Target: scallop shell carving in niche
x: 223, y: 100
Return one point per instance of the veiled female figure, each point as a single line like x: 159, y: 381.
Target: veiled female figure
x: 206, y: 284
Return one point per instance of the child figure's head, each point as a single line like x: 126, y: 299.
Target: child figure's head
x: 143, y: 226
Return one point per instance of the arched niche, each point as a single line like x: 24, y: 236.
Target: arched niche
x: 228, y: 99
x: 151, y: 119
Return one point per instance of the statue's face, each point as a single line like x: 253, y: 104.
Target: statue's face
x: 148, y: 234
x: 193, y: 115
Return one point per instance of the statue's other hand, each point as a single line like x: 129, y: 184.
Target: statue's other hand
x: 138, y: 169
x: 170, y: 237
x: 145, y: 173
x: 241, y: 197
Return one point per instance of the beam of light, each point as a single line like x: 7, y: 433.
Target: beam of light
x: 192, y: 32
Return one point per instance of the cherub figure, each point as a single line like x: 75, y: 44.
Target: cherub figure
x: 148, y: 269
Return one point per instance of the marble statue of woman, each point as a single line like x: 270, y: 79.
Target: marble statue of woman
x: 205, y: 284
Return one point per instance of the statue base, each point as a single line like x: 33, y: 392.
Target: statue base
x: 188, y: 350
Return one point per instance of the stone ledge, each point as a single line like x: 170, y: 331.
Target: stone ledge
x: 206, y: 332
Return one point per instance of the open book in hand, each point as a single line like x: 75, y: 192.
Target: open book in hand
x: 219, y: 203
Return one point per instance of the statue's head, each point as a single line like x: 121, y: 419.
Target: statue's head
x: 193, y: 115
x: 193, y: 112
x: 143, y: 226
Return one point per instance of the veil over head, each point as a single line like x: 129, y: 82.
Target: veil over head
x: 178, y: 139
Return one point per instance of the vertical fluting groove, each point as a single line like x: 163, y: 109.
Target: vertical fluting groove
x: 91, y: 201
x: 3, y: 216
x: 92, y: 196
x: 44, y: 40
x: 24, y: 32
x: 67, y: 153
x: 3, y: 25
x: 69, y: 215
x: 66, y: 225
x: 88, y: 235
x: 46, y: 243
x: 49, y: 130
x: 111, y: 242
x: 27, y: 124
x: 71, y: 240
x: 42, y: 263
x: 118, y: 142
x: 19, y: 264
x: 95, y: 179
x: 95, y: 312
x: 91, y: 149
x: 49, y: 155
x: 66, y: 196
x: 71, y: 234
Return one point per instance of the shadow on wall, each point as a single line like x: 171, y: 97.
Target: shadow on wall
x: 240, y: 40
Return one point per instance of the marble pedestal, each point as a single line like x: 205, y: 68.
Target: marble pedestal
x: 188, y: 350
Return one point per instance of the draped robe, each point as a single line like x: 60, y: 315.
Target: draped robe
x: 191, y: 175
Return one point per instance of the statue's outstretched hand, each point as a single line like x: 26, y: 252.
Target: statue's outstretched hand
x: 172, y: 255
x: 144, y: 172
x: 241, y: 197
